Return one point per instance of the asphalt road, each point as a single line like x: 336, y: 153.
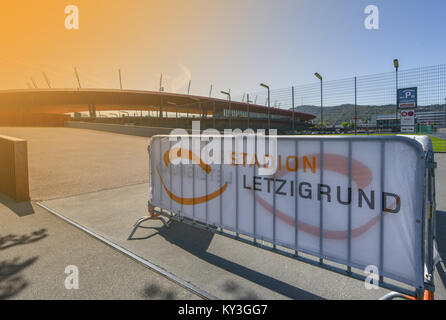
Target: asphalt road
x: 67, y: 161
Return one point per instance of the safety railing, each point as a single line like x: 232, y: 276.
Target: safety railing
x: 357, y: 201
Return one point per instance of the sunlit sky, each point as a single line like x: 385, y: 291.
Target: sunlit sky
x: 230, y: 44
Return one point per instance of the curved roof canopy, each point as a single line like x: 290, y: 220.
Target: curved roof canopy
x: 76, y: 100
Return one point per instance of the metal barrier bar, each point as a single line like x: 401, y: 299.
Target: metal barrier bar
x: 160, y: 155
x: 381, y: 219
x: 350, y: 200
x: 236, y: 186
x: 193, y: 188
x: 423, y: 171
x: 321, y: 206
x: 254, y: 195
x: 182, y: 185
x: 206, y: 203
x: 274, y: 209
x: 354, y: 275
x: 221, y: 180
x: 296, y: 204
x: 170, y: 174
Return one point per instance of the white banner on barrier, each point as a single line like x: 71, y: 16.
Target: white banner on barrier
x: 356, y: 201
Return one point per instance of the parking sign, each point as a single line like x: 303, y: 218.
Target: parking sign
x: 407, y: 98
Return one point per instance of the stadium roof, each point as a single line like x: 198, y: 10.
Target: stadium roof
x: 77, y: 100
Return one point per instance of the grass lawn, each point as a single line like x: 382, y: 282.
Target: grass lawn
x: 438, y: 143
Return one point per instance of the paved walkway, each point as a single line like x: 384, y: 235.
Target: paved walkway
x: 223, y: 267
x: 36, y: 247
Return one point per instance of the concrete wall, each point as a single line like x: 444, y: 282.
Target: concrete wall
x: 14, y: 180
x: 30, y: 119
x: 117, y: 128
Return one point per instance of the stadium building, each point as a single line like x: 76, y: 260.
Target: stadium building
x: 51, y: 107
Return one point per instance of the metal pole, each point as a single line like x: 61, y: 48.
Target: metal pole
x: 292, y: 101
x: 120, y: 79
x: 396, y: 92
x: 77, y: 77
x: 444, y: 120
x: 247, y: 106
x: 269, y: 104
x: 47, y: 80
x: 356, y: 113
x: 322, y: 115
x: 228, y: 94
x: 269, y: 113
x: 230, y: 112
x: 213, y: 111
x: 34, y: 83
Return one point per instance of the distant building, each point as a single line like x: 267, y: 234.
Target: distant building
x: 436, y: 118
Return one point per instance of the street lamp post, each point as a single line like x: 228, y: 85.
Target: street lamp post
x: 269, y: 105
x: 396, y: 65
x: 322, y: 114
x: 228, y: 94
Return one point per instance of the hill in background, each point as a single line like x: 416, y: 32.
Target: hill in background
x: 346, y: 112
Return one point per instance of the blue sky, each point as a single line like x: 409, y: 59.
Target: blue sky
x: 330, y: 37
x: 231, y: 44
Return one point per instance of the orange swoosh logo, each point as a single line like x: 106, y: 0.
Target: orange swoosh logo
x: 176, y: 153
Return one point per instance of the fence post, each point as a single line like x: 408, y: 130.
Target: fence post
x: 213, y: 111
x: 292, y: 101
x: 356, y: 112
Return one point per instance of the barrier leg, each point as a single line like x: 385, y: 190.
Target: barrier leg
x: 428, y: 295
x: 394, y: 294
x: 150, y: 216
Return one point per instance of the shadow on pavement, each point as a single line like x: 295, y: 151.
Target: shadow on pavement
x: 441, y: 243
x: 19, y: 208
x: 11, y: 282
x: 12, y: 240
x: 153, y: 291
x: 197, y: 241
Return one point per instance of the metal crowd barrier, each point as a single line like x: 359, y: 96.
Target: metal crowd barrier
x: 356, y: 201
